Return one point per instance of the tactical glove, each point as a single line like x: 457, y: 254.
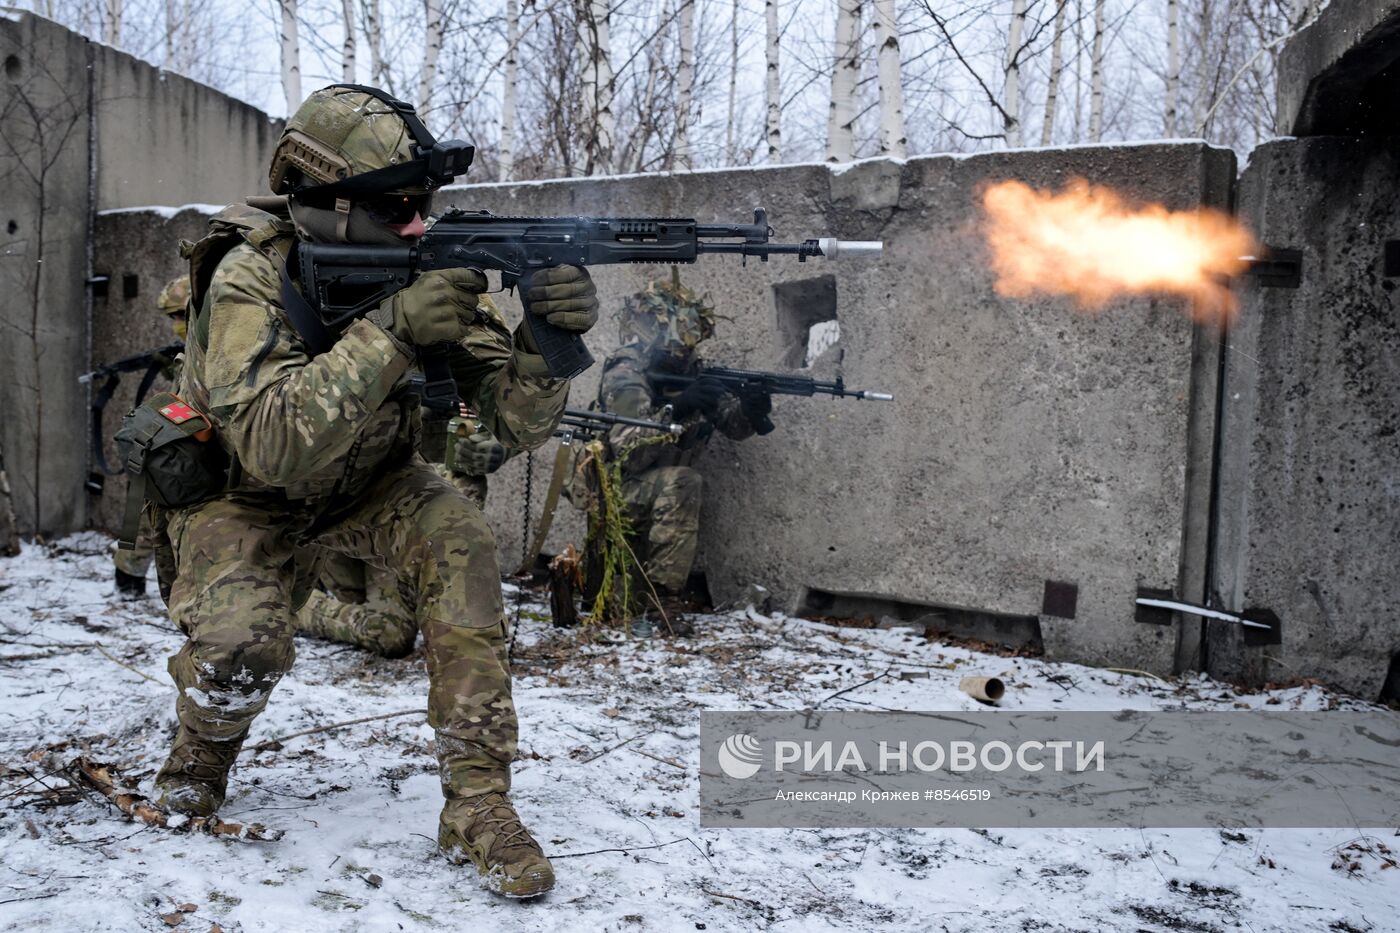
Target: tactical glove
x: 565, y: 297
x: 478, y: 454
x: 436, y: 308
x: 703, y: 395
x: 756, y: 405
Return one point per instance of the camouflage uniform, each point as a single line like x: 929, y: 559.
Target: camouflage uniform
x: 359, y: 605
x: 323, y: 460
x: 132, y: 565
x: 660, y: 486
x: 326, y: 451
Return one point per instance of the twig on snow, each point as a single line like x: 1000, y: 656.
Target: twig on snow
x: 609, y: 751
x: 863, y: 683
x: 102, y: 779
x: 665, y: 761
x: 758, y: 905
x: 659, y: 845
x: 122, y: 663
x: 264, y: 746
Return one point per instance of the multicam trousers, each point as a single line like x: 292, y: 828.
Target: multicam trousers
x: 359, y: 605
x: 242, y: 560
x: 663, y: 507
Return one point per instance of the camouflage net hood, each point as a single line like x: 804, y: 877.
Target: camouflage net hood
x: 175, y: 296
x: 338, y: 133
x: 174, y: 303
x: 667, y: 313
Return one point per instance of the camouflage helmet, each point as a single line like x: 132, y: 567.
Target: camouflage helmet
x: 667, y: 312
x: 338, y: 133
x: 175, y: 296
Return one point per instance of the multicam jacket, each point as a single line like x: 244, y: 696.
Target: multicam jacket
x: 328, y: 426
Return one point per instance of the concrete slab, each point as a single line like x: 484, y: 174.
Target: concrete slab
x: 1028, y: 442
x: 1310, y: 451
x: 1341, y: 75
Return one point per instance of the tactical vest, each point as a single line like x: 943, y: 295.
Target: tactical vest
x: 167, y: 446
x: 271, y: 234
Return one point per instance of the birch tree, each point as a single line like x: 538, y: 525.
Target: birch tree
x: 729, y: 153
x: 593, y: 18
x: 112, y: 35
x: 772, y: 87
x: 892, y: 139
x: 1011, y: 87
x: 685, y: 84
x: 1173, y: 64
x: 291, y: 55
x: 172, y: 26
x: 840, y: 125
x: 508, y: 93
x: 1052, y: 88
x: 347, y: 47
x: 432, y: 48
x: 374, y: 36
x: 1096, y: 76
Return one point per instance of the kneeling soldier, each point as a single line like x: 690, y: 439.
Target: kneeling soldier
x: 322, y: 449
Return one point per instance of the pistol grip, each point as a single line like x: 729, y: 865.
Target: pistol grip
x: 564, y: 351
x: 439, y: 388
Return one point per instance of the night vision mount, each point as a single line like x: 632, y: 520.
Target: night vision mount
x: 435, y: 163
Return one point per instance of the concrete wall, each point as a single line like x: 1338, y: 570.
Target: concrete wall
x: 44, y: 224
x: 1310, y: 488
x: 1028, y: 442
x: 1339, y: 76
x: 164, y: 139
x: 87, y: 128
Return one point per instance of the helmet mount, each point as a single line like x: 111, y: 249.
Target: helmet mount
x: 431, y: 163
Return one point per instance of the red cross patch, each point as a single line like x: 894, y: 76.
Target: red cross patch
x: 178, y: 412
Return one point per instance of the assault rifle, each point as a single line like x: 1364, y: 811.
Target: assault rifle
x: 749, y: 382
x: 344, y: 282
x: 152, y: 361
x: 579, y: 424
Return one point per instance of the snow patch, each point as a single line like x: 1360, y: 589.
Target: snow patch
x: 164, y: 212
x: 608, y: 761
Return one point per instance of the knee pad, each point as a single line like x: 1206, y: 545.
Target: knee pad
x: 247, y: 667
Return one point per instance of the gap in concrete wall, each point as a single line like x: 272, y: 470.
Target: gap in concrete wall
x: 806, y: 318
x: 886, y: 612
x: 1392, y: 259
x: 1390, y: 690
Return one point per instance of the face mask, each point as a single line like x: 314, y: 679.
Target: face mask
x: 322, y: 224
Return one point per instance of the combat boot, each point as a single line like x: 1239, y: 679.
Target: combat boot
x: 672, y: 617
x: 195, y: 776
x: 487, y: 832
x: 130, y: 586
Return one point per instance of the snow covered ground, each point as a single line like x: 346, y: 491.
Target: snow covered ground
x: 607, y: 781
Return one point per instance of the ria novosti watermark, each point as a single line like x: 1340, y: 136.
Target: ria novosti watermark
x: 1050, y: 769
x: 740, y: 756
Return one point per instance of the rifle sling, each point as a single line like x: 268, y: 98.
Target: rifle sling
x: 307, y: 323
x: 562, y: 458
